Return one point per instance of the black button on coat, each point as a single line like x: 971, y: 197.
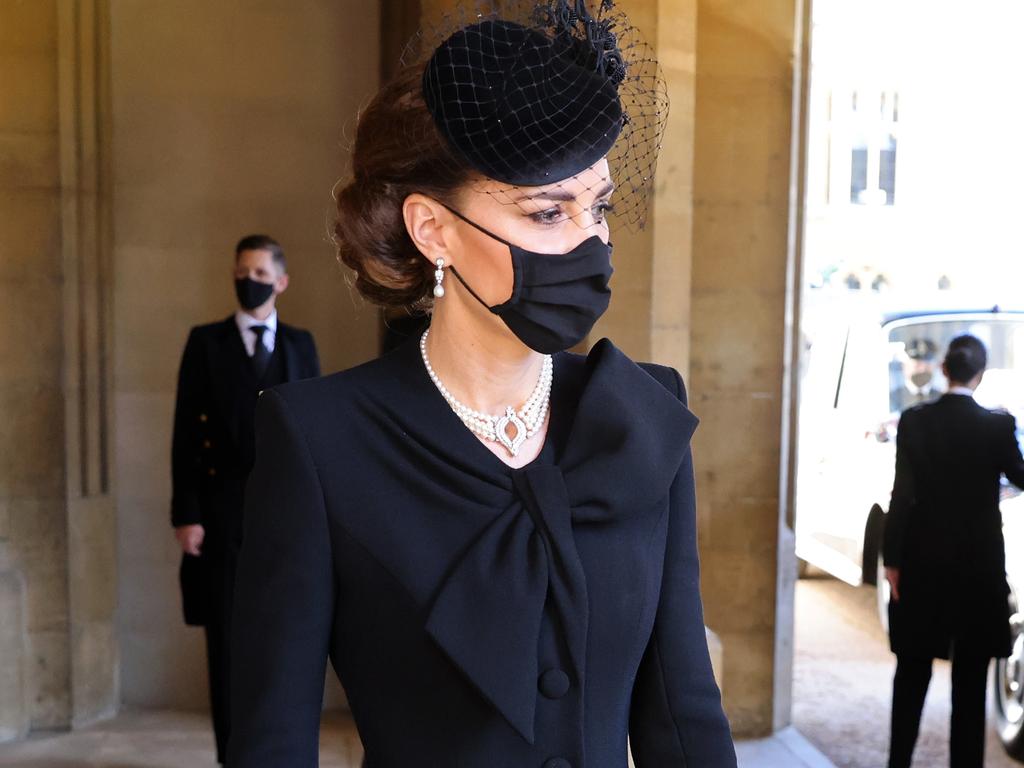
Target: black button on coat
x: 444, y: 585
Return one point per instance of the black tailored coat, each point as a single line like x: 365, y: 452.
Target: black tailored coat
x: 212, y: 445
x: 944, y: 529
x: 477, y: 616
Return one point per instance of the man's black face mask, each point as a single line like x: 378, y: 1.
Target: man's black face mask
x: 252, y: 293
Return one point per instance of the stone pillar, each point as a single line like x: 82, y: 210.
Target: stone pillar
x: 32, y: 448
x: 14, y: 700
x: 743, y: 286
x: 709, y: 288
x: 86, y: 226
x: 672, y: 217
x: 55, y: 477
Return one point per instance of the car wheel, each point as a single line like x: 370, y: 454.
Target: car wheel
x: 882, y: 594
x: 1009, y: 692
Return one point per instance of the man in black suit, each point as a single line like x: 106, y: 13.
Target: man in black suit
x: 944, y: 555
x: 223, y: 369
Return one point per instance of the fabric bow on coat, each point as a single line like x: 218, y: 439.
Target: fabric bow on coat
x: 488, y: 612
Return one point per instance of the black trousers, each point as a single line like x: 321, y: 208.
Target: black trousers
x: 218, y: 659
x: 967, y: 724
x: 217, y: 667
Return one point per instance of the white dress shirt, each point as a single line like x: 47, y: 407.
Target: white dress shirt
x: 245, y: 322
x: 966, y: 391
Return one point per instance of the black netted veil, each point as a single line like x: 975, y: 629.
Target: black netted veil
x: 531, y: 93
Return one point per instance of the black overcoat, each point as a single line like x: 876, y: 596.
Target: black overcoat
x: 477, y: 616
x: 944, y: 528
x: 212, y: 445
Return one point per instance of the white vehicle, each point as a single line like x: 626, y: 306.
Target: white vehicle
x: 861, y: 370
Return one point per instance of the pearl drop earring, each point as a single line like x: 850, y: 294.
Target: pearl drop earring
x: 439, y: 279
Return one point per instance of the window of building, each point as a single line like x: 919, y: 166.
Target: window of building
x: 873, y: 147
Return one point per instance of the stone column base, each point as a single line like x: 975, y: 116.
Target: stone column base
x: 14, y: 710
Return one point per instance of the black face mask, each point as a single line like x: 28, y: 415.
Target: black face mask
x: 556, y: 298
x: 252, y: 293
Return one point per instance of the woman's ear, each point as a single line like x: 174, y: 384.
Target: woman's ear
x: 426, y: 221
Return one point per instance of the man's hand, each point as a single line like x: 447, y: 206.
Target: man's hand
x: 190, y: 537
x: 892, y: 575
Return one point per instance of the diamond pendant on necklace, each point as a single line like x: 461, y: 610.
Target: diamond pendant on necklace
x: 524, y: 423
x: 514, y: 443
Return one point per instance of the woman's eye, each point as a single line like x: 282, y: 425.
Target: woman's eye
x: 603, y: 209
x: 549, y: 216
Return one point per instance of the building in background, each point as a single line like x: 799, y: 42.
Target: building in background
x: 914, y: 159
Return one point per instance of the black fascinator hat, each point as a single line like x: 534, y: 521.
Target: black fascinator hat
x: 518, y: 106
x: 533, y: 93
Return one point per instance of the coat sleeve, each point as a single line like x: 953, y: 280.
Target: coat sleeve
x: 676, y: 718
x: 284, y: 602
x: 1011, y: 463
x: 313, y: 356
x: 192, y: 376
x: 904, y: 495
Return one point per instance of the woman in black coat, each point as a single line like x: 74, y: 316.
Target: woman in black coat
x: 944, y: 556
x: 493, y: 539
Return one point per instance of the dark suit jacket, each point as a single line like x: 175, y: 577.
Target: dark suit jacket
x: 212, y: 451
x: 944, y: 528
x: 477, y: 616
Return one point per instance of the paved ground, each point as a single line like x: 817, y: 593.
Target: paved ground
x: 786, y: 749
x: 157, y: 740
x: 842, y: 684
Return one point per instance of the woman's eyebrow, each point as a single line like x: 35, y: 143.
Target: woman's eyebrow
x: 563, y: 195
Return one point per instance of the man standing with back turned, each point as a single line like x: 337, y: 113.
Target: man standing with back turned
x: 223, y: 369
x: 945, y: 557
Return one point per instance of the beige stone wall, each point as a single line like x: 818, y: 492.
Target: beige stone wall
x: 741, y: 288
x: 650, y: 310
x: 31, y: 398
x: 671, y: 257
x: 56, y: 507
x: 228, y: 118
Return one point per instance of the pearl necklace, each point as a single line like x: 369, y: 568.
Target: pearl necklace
x: 525, y: 422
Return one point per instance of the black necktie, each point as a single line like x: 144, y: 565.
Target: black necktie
x: 260, y: 355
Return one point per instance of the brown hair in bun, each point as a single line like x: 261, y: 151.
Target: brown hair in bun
x: 397, y: 152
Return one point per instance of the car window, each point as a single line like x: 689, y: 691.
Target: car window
x: 917, y: 348
x: 915, y: 367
